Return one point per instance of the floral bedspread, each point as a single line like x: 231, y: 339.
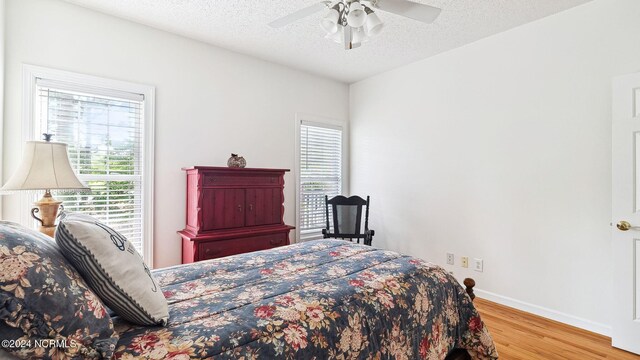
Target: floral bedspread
x: 314, y: 300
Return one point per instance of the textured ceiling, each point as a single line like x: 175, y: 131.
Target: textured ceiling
x: 241, y: 25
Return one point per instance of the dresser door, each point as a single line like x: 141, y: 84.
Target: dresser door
x: 225, y: 208
x: 264, y: 206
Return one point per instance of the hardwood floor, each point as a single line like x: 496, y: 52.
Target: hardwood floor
x: 522, y: 336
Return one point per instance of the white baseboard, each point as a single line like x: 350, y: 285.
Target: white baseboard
x: 579, y: 322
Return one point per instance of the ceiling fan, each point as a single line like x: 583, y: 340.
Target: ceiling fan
x: 351, y: 22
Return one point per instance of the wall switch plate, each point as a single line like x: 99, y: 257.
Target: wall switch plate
x: 450, y: 258
x: 464, y: 262
x: 478, y: 264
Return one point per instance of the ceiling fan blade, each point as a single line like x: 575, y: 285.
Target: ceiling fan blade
x: 410, y: 9
x: 300, y: 14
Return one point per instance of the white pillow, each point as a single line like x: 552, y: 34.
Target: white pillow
x: 113, y: 269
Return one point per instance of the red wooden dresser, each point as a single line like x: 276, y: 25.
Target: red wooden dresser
x: 232, y: 211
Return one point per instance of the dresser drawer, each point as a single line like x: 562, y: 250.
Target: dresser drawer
x: 216, y: 179
x: 215, y: 249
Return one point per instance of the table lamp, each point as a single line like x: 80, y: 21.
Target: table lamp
x: 45, y: 166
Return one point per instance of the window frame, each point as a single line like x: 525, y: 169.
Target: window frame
x: 319, y: 121
x: 30, y: 74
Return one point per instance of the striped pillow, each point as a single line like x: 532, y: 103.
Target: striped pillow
x: 113, y: 269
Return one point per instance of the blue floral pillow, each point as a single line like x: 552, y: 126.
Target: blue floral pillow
x: 46, y: 308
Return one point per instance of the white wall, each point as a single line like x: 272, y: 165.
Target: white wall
x: 2, y: 24
x: 209, y: 101
x: 501, y: 150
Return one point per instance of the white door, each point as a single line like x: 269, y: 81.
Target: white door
x: 626, y: 212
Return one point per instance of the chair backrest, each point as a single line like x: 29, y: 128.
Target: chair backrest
x: 346, y: 215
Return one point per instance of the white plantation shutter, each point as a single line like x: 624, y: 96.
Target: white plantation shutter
x: 104, y: 131
x: 320, y: 174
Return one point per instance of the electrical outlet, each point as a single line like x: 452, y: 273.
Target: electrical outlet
x: 478, y: 264
x: 464, y: 262
x: 450, y: 258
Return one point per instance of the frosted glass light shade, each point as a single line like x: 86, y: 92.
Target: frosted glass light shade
x: 373, y: 25
x: 337, y: 36
x: 357, y: 16
x: 330, y: 22
x: 44, y: 166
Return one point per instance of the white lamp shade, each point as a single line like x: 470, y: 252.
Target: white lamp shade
x: 337, y: 36
x: 330, y: 22
x: 357, y: 16
x: 44, y: 166
x: 374, y: 25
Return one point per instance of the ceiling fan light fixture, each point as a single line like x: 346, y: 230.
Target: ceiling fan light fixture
x: 356, y: 17
x: 351, y: 22
x: 330, y: 22
x: 373, y: 26
x: 338, y: 35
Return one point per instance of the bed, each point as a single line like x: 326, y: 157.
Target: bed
x: 313, y: 300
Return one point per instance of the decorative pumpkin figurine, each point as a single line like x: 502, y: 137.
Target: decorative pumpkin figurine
x: 236, y: 161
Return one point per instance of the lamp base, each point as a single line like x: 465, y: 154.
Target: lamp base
x: 48, y: 208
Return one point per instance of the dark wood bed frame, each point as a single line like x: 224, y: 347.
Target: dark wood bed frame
x: 462, y: 354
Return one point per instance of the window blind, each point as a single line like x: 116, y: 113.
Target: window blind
x: 104, y: 133
x: 320, y: 174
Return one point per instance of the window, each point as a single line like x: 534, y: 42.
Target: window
x: 320, y: 173
x: 107, y: 137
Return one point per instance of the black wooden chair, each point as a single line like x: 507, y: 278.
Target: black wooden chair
x: 346, y: 217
